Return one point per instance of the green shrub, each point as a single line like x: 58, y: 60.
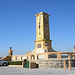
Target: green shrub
x: 15, y: 62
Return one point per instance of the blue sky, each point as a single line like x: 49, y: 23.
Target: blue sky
x: 18, y: 24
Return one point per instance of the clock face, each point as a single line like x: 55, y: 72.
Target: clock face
x: 45, y: 21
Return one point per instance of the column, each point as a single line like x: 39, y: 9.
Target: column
x: 23, y: 64
x: 64, y: 64
x: 36, y: 57
x: 25, y: 57
x: 29, y: 57
x: 69, y: 64
x: 20, y: 57
x: 69, y: 56
x: 46, y: 56
x: 58, y: 55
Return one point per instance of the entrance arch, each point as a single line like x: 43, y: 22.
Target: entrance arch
x: 32, y: 57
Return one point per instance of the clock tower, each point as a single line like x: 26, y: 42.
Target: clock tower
x: 42, y: 42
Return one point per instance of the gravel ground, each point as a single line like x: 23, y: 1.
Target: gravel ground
x: 24, y: 71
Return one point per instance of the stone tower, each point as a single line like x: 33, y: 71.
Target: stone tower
x: 42, y: 42
x: 10, y: 52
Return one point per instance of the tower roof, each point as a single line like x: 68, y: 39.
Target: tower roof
x: 41, y: 13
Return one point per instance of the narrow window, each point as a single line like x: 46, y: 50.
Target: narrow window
x: 39, y: 33
x: 39, y: 26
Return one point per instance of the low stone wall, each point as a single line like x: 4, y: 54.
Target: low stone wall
x: 15, y: 65
x: 6, y: 58
x: 50, y: 63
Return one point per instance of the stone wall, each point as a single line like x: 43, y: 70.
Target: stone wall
x: 50, y: 63
x: 6, y: 58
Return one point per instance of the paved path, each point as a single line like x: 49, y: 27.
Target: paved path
x: 23, y: 71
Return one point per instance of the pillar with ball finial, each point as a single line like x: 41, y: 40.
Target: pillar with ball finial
x: 10, y: 52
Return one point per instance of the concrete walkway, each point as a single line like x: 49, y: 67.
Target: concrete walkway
x: 24, y: 71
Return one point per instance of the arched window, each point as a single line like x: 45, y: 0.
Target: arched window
x: 23, y: 58
x: 18, y: 58
x: 12, y: 58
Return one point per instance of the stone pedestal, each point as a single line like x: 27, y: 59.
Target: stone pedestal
x: 10, y: 52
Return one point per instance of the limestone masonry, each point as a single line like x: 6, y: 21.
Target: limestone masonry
x: 42, y: 42
x: 43, y: 53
